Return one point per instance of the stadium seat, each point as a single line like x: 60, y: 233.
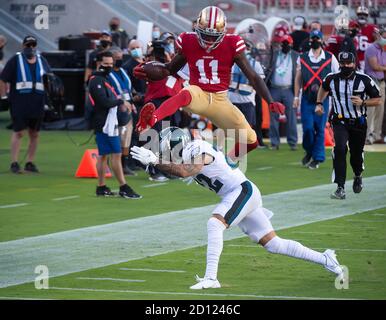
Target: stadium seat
x: 284, y: 3
x: 298, y: 4
x: 314, y: 4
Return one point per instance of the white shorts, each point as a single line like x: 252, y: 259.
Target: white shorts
x: 243, y: 207
x: 238, y: 203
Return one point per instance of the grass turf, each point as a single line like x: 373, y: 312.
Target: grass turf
x: 243, y: 270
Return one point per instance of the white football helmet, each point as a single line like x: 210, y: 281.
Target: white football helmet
x: 211, y: 27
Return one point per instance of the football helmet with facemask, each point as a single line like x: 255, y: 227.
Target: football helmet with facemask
x: 211, y: 27
x: 172, y: 142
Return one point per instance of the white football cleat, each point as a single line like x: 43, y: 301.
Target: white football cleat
x: 205, y: 283
x: 332, y: 263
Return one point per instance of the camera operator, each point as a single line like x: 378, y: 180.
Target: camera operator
x: 106, y: 104
x: 121, y: 82
x: 24, y: 74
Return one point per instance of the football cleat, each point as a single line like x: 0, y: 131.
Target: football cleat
x: 339, y: 194
x: 205, y: 283
x: 357, y: 184
x: 146, y: 117
x: 332, y: 263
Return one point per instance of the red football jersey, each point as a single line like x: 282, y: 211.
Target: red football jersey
x: 363, y: 43
x: 368, y: 31
x: 211, y: 71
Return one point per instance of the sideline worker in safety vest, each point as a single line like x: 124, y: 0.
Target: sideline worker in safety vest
x: 312, y: 67
x: 24, y: 74
x: 242, y: 94
x: 121, y: 82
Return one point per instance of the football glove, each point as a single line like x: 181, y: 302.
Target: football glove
x: 277, y: 107
x: 145, y: 156
x: 139, y: 72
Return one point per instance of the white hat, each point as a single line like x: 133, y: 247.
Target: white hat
x: 298, y: 23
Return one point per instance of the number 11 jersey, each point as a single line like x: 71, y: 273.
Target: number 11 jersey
x: 211, y: 71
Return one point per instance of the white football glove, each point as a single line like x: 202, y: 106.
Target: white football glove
x: 145, y: 156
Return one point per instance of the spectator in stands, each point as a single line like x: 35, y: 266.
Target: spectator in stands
x: 375, y: 67
x: 194, y: 23
x: 105, y: 43
x: 106, y: 106
x: 24, y: 74
x: 168, y: 39
x: 242, y: 94
x: 300, y: 32
x: 119, y: 36
x: 312, y: 67
x: 366, y: 29
x: 280, y: 80
x: 159, y: 91
x: 121, y: 83
x: 278, y: 33
x: 156, y: 32
x: 3, y: 42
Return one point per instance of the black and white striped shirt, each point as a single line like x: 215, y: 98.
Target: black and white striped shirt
x: 341, y: 89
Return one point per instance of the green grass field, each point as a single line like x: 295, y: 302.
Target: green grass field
x: 56, y: 201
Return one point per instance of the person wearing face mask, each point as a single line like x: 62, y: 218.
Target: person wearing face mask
x: 280, y: 81
x: 242, y: 94
x: 121, y: 83
x: 23, y: 73
x: 366, y: 29
x: 312, y: 67
x: 119, y: 36
x: 168, y: 38
x: 375, y: 67
x: 105, y: 43
x: 107, y: 105
x: 353, y: 94
x: 156, y: 33
x: 360, y: 42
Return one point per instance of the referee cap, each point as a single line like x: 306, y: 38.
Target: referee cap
x: 346, y: 57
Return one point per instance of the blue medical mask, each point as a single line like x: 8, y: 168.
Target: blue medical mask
x: 156, y: 34
x: 169, y: 48
x: 136, y: 53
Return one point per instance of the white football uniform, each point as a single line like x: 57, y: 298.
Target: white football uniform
x: 239, y: 196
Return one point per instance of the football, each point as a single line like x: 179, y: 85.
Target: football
x: 155, y: 70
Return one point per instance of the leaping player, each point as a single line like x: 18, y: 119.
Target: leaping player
x: 210, y: 53
x: 241, y: 202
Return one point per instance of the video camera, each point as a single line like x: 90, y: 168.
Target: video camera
x: 158, y: 50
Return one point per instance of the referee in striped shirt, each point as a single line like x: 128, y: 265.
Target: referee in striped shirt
x: 351, y: 93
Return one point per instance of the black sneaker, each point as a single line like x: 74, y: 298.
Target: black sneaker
x: 30, y: 167
x: 15, y: 167
x: 357, y: 184
x: 339, y: 194
x: 103, y: 191
x: 274, y: 147
x: 314, y: 164
x: 306, y: 159
x: 158, y: 177
x: 293, y: 147
x: 126, y: 192
x: 126, y: 167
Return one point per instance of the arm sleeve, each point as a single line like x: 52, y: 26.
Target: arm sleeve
x: 239, y: 45
x: 371, y: 88
x: 326, y: 82
x: 97, y: 91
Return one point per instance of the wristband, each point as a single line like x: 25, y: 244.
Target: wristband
x: 296, y: 98
x: 319, y: 103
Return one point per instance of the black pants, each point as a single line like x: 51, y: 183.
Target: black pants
x: 355, y: 135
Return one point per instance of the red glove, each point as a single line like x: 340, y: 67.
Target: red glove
x: 139, y: 72
x: 277, y: 107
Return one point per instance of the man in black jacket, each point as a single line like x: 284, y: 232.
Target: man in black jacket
x: 106, y: 104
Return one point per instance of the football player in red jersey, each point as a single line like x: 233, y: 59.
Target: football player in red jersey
x: 361, y: 43
x: 366, y: 29
x: 210, y: 54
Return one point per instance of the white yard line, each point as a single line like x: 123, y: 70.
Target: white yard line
x: 22, y: 298
x: 152, y: 270
x: 366, y: 221
x: 321, y: 248
x: 154, y: 185
x: 65, y: 198
x: 16, y: 205
x: 263, y: 168
x: 193, y: 293
x: 98, y: 246
x: 322, y: 233
x: 110, y: 279
x: 379, y: 214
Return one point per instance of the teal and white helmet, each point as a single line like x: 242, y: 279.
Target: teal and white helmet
x: 172, y: 142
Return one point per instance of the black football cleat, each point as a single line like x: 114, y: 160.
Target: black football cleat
x: 357, y: 185
x: 126, y: 192
x: 339, y: 194
x: 103, y: 191
x: 30, y: 167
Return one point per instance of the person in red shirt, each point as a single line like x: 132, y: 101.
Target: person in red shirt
x: 366, y: 29
x: 210, y: 54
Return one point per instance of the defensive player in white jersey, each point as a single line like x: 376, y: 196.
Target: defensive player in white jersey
x: 241, y: 202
